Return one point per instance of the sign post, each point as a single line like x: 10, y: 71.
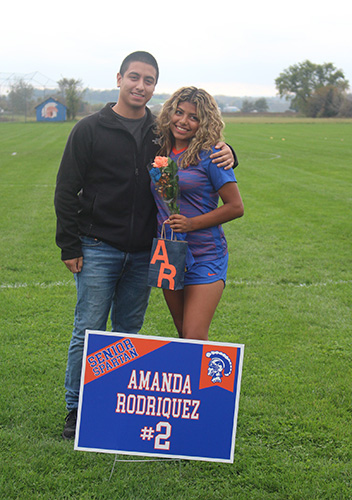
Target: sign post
x: 159, y: 397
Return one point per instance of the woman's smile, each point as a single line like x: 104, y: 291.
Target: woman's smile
x: 184, y: 124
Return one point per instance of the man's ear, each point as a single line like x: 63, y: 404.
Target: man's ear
x: 118, y: 79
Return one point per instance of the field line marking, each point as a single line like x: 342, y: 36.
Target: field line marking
x: 228, y: 282
x: 7, y: 184
x: 274, y: 156
x: 290, y: 284
x: 37, y: 284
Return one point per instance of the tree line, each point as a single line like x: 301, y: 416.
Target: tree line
x: 314, y: 90
x: 20, y: 98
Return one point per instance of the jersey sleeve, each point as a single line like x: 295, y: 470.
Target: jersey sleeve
x: 218, y: 175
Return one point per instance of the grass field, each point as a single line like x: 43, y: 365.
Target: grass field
x: 288, y: 299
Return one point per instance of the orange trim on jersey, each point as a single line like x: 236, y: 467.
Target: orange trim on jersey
x: 177, y: 152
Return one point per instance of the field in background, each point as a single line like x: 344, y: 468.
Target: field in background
x: 288, y: 299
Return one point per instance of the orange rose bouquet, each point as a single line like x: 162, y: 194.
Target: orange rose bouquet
x: 163, y: 172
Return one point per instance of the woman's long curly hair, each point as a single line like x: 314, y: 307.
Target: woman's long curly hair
x: 210, y: 124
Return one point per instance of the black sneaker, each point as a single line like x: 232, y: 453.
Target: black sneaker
x: 70, y: 425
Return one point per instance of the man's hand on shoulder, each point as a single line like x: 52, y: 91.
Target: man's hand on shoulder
x: 223, y: 157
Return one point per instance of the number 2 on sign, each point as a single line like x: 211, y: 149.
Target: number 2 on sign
x: 166, y: 445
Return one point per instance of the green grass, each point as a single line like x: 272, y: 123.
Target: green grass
x: 288, y: 299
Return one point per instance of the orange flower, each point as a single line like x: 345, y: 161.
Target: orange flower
x: 160, y: 162
x: 163, y: 173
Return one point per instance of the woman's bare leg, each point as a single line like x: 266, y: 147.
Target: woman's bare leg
x: 200, y: 303
x: 174, y: 300
x: 193, y: 308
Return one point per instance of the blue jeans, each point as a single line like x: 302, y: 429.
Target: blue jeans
x: 110, y: 281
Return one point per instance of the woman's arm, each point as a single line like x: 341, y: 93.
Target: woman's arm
x: 232, y: 208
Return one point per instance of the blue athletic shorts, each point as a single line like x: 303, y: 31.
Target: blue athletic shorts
x: 207, y: 272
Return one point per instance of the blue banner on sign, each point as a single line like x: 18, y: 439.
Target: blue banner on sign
x: 153, y: 396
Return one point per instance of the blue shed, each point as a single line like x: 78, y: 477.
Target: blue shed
x: 51, y: 110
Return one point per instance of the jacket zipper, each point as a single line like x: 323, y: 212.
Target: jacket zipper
x: 136, y: 182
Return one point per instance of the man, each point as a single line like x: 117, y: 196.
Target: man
x: 106, y: 216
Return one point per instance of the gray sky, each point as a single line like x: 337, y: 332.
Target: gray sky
x: 227, y: 47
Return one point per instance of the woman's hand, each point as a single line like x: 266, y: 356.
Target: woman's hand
x: 179, y: 223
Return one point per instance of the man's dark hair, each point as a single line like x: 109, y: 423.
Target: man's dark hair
x: 139, y: 56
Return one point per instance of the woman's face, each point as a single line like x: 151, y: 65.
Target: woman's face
x: 184, y: 124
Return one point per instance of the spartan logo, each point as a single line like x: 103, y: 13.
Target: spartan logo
x: 219, y: 364
x: 49, y: 110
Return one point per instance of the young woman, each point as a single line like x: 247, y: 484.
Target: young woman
x: 189, y: 126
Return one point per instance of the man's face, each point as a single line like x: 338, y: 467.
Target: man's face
x: 136, y: 85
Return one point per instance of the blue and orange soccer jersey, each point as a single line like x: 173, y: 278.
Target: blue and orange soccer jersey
x: 199, y: 185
